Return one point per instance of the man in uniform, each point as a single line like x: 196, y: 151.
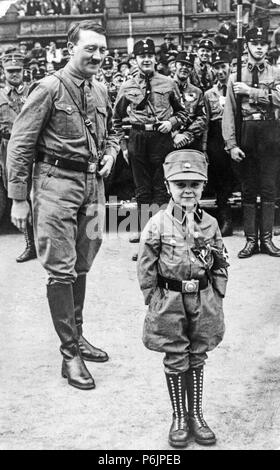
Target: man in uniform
x: 203, y: 75
x: 152, y: 103
x: 107, y: 78
x: 12, y: 98
x: 258, y: 153
x: 66, y: 125
x: 190, y: 134
x: 167, y: 47
x: 220, y: 174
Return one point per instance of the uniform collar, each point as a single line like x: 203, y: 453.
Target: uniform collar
x: 260, y: 66
x: 76, y: 77
x: 9, y: 88
x: 180, y: 214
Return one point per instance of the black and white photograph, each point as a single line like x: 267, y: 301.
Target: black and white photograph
x: 140, y: 227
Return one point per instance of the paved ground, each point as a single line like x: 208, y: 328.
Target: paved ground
x: 130, y: 407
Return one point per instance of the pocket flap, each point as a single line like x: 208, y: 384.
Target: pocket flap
x: 101, y: 110
x: 66, y: 107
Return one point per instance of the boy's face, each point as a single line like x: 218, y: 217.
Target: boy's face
x: 186, y: 193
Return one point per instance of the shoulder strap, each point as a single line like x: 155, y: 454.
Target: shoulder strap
x: 87, y: 121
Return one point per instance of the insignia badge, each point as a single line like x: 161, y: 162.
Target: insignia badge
x: 189, y: 97
x: 222, y: 101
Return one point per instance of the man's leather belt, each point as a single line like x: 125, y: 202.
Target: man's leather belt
x: 186, y: 287
x: 86, y: 167
x: 258, y: 117
x: 146, y: 127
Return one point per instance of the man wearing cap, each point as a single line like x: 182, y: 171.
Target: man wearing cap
x: 107, y: 68
x: 258, y: 153
x: 220, y: 172
x: 12, y: 99
x: 203, y: 75
x: 190, y: 134
x: 168, y: 47
x: 152, y: 103
x: 182, y: 272
x: 66, y: 124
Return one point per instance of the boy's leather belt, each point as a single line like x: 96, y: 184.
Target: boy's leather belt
x: 190, y: 286
x: 86, y: 167
x: 146, y: 127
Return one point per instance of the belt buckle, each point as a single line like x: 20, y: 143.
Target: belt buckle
x: 91, y: 168
x: 190, y: 287
x: 149, y: 127
x: 257, y: 116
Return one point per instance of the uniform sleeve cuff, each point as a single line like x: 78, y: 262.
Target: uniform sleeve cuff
x: 111, y: 151
x: 230, y: 144
x: 17, y: 191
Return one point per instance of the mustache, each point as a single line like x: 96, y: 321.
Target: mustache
x: 95, y: 61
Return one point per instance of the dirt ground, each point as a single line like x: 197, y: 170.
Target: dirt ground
x: 130, y: 409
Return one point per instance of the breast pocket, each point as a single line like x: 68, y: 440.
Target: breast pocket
x: 161, y: 98
x: 67, y: 121
x: 101, y: 123
x: 172, y: 249
x: 135, y: 97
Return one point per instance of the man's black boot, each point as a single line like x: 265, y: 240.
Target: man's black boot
x: 87, y: 350
x: 198, y: 427
x: 60, y: 298
x: 178, y: 434
x: 225, y: 221
x: 266, y: 227
x: 30, y: 250
x: 251, y: 231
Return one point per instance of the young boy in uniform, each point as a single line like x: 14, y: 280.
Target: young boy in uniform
x: 182, y: 271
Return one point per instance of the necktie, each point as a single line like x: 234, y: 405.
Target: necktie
x: 255, y: 76
x: 141, y: 106
x: 224, y: 90
x: 88, y: 102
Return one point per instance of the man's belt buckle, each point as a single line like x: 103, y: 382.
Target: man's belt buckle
x: 190, y: 287
x: 257, y: 116
x: 149, y: 127
x: 91, y: 168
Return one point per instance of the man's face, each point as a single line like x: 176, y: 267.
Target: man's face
x: 183, y: 70
x: 257, y: 49
x: 186, y: 193
x: 14, y: 76
x: 108, y: 73
x: 37, y: 45
x: 172, y: 67
x: 88, y: 53
x: 146, y: 62
x: 204, y: 54
x: 222, y: 71
x: 124, y: 69
x: 167, y: 41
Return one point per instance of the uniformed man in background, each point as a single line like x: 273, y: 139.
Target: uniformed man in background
x: 66, y: 124
x: 12, y: 98
x: 220, y: 175
x: 258, y: 154
x: 190, y: 134
x: 203, y: 75
x: 152, y: 103
x: 107, y: 68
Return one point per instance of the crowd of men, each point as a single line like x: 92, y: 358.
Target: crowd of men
x: 59, y: 7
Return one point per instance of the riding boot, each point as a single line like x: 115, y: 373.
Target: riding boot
x: 179, y: 430
x: 60, y: 298
x: 251, y: 231
x: 30, y: 250
x: 198, y: 427
x: 266, y: 227
x: 225, y: 221
x: 135, y: 238
x: 87, y: 350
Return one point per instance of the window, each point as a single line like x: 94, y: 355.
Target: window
x: 132, y: 6
x: 204, y: 6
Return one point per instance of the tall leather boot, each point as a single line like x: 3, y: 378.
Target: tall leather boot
x: 198, y: 427
x: 266, y: 228
x: 179, y: 430
x: 136, y: 237
x: 60, y: 297
x: 225, y: 221
x: 87, y: 350
x: 30, y: 250
x: 251, y: 231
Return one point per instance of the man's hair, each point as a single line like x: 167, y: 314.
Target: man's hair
x: 75, y: 28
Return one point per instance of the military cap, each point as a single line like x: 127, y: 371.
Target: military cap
x: 108, y: 62
x: 12, y: 60
x: 207, y: 43
x: 185, y: 57
x: 171, y: 58
x: 256, y: 34
x: 220, y: 57
x: 123, y: 61
x: 168, y: 36
x: 185, y: 165
x: 144, y: 47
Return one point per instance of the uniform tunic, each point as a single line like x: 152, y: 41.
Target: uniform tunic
x: 203, y: 75
x: 68, y: 206
x: 183, y: 326
x: 260, y: 132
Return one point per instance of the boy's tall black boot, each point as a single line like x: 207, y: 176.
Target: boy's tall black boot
x: 179, y: 430
x: 266, y: 227
x: 198, y: 427
x: 87, y: 350
x: 251, y: 231
x: 225, y: 220
x: 60, y: 297
x: 30, y: 250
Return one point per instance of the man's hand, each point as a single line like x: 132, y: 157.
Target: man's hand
x: 237, y: 154
x: 180, y: 140
x: 165, y: 127
x: 21, y: 214
x: 241, y: 88
x: 107, y: 163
